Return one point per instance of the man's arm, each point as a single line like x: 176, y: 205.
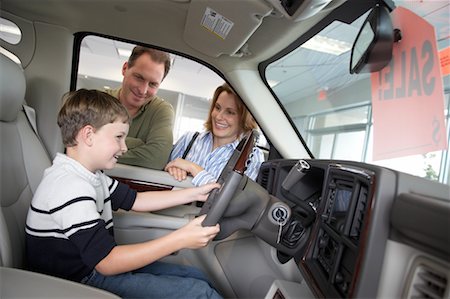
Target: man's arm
x: 155, y: 150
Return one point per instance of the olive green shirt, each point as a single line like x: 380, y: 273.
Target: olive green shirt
x: 150, y: 138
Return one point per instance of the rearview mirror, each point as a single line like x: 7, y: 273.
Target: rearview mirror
x: 372, y: 49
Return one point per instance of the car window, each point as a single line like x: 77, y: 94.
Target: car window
x: 333, y: 110
x: 189, y: 85
x: 10, y: 33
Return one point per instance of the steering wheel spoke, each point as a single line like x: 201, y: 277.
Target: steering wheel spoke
x: 230, y: 177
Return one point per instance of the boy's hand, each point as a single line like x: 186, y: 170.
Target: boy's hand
x: 201, y: 193
x: 195, y: 235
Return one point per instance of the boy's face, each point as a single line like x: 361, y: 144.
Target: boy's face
x: 108, y: 143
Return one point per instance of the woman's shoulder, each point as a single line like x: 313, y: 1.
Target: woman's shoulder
x: 191, y: 134
x: 187, y: 135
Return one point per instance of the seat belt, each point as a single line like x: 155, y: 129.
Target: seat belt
x: 31, y: 117
x: 190, y: 145
x: 30, y: 114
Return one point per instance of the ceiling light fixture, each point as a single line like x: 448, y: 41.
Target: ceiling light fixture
x: 124, y: 52
x: 327, y: 45
x: 273, y: 83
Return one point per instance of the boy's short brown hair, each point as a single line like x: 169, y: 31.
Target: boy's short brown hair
x: 88, y: 107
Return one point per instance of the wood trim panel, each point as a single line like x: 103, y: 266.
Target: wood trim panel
x: 142, y: 186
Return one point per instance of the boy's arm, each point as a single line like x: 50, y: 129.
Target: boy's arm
x: 158, y: 200
x: 126, y: 258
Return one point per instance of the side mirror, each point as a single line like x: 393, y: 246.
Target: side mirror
x: 372, y: 49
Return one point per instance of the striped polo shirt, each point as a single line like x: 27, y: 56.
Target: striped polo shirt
x: 213, y: 161
x: 69, y: 227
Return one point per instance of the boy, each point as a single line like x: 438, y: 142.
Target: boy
x: 69, y: 231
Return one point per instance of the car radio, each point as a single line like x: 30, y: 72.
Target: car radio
x: 334, y: 252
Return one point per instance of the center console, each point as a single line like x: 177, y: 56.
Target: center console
x: 341, y: 248
x: 334, y: 251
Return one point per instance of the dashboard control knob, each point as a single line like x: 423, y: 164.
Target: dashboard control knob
x: 323, y: 242
x: 339, y: 278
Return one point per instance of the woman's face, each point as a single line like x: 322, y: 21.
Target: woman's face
x: 225, y: 119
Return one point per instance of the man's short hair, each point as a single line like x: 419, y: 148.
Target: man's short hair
x: 156, y: 55
x: 88, y: 107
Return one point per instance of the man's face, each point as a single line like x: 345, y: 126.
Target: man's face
x: 140, y: 81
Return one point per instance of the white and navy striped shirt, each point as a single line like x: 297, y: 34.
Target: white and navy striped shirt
x: 213, y: 161
x: 69, y: 227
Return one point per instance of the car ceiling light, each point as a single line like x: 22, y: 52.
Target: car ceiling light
x: 273, y: 83
x: 124, y: 52
x: 327, y: 45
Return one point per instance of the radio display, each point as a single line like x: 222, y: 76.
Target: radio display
x: 340, y: 207
x: 342, y: 200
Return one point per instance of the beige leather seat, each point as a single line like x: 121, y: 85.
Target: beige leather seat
x: 23, y: 160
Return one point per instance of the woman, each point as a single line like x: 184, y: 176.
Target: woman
x: 228, y: 121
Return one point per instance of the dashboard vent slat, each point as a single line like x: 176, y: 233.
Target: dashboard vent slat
x: 437, y: 280
x: 264, y: 178
x: 429, y: 281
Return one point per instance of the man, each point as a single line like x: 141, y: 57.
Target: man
x: 150, y: 137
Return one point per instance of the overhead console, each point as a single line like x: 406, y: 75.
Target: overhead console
x: 215, y: 27
x: 347, y: 233
x: 299, y: 9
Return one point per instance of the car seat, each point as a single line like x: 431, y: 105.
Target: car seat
x: 23, y: 160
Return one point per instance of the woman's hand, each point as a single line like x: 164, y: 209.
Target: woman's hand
x: 177, y: 173
x: 180, y: 168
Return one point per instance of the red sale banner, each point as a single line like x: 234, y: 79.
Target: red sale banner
x: 407, y: 95
x: 444, y: 56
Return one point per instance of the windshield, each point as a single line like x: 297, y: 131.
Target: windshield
x: 334, y: 110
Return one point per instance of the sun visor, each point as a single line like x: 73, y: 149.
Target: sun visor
x: 216, y: 27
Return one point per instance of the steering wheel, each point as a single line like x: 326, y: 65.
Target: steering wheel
x: 229, y: 179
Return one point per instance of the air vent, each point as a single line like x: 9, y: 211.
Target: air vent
x: 263, y: 178
x: 429, y: 280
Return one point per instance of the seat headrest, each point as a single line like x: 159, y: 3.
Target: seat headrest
x: 12, y: 89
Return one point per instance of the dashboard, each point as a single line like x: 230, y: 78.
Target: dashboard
x: 341, y: 220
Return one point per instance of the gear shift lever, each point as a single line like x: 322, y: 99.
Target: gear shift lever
x: 295, y: 174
